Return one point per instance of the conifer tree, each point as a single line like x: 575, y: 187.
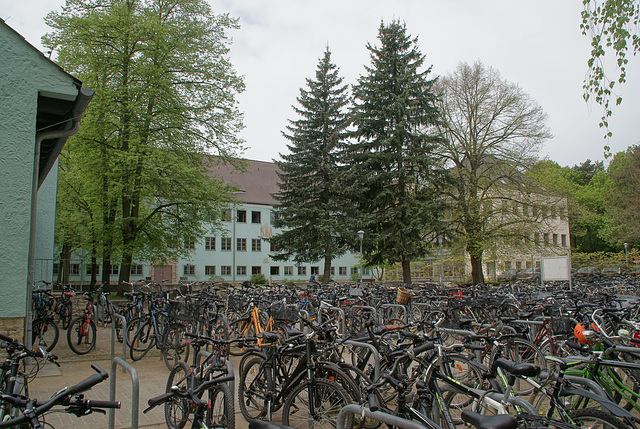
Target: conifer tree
x: 311, y: 207
x: 395, y: 175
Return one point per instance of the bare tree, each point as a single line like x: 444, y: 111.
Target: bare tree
x: 493, y: 132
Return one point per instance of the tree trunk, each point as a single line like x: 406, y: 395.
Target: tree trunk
x: 475, y: 255
x: 63, y: 271
x: 406, y: 270
x: 326, y: 277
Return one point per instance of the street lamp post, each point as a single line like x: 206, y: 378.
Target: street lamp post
x: 361, y: 235
x: 626, y: 254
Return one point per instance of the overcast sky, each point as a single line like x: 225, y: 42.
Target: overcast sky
x: 536, y: 44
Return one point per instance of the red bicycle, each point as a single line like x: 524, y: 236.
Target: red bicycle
x: 81, y: 334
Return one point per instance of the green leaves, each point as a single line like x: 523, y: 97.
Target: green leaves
x: 612, y: 26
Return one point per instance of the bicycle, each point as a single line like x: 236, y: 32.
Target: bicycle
x: 221, y: 410
x: 266, y: 384
x: 45, y: 331
x: 190, y: 397
x: 160, y: 329
x: 33, y: 411
x: 82, y: 332
x: 14, y: 379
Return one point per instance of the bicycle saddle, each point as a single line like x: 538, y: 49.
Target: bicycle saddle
x: 518, y: 369
x: 500, y: 421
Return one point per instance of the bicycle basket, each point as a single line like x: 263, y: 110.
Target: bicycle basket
x: 560, y: 323
x: 403, y: 296
x: 281, y: 312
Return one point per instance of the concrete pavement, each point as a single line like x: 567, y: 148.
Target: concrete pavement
x: 152, y: 375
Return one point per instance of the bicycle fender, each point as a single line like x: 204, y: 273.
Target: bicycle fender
x: 610, y: 406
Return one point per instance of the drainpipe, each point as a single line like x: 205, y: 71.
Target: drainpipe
x: 77, y: 110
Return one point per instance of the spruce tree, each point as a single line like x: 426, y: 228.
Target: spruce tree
x: 311, y: 204
x: 395, y: 175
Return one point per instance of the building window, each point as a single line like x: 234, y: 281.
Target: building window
x: 255, y: 217
x: 209, y: 270
x: 209, y: 243
x: 275, y: 271
x: 226, y: 215
x: 272, y: 247
x: 507, y: 265
x: 136, y: 269
x: 518, y: 265
x: 302, y: 271
x: 97, y: 269
x: 354, y: 270
x: 273, y: 216
x: 256, y: 270
x: 225, y: 270
x: 536, y: 238
x: 546, y: 238
x: 256, y: 245
x: 190, y: 243
x: 74, y: 269
x: 242, y: 216
x: 315, y: 271
x: 563, y: 239
x: 288, y: 271
x: 241, y: 270
x: 225, y: 244
x: 241, y: 244
x: 342, y: 271
x: 115, y: 269
x: 555, y: 239
x: 189, y: 270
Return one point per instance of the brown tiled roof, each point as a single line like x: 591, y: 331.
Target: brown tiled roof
x: 256, y: 184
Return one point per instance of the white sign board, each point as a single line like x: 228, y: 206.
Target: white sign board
x: 555, y: 268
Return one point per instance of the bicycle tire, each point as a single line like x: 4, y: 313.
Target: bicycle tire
x: 221, y: 412
x: 329, y: 398
x: 176, y: 409
x: 174, y: 345
x: 81, y: 335
x: 66, y: 314
x: 45, y: 333
x: 520, y: 350
x: 254, y: 388
x: 596, y: 419
x: 142, y: 341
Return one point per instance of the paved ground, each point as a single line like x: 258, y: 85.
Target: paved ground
x: 152, y: 375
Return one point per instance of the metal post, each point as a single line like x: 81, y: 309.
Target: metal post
x: 135, y: 392
x: 361, y: 235
x: 441, y: 263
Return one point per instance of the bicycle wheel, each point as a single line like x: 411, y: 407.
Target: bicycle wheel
x: 132, y: 327
x: 221, y: 412
x: 142, y: 342
x: 315, y: 405
x: 592, y: 418
x: 66, y: 313
x: 81, y: 335
x: 174, y: 346
x: 176, y: 409
x: 523, y: 351
x: 254, y: 388
x: 45, y: 333
x: 625, y: 378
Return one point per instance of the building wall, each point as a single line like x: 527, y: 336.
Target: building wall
x: 23, y: 74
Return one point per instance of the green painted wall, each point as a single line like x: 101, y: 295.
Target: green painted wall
x: 24, y: 72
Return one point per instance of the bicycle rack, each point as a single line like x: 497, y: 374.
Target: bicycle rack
x: 374, y: 352
x: 343, y: 326
x: 232, y: 385
x: 124, y: 340
x: 404, y: 311
x: 388, y: 419
x: 135, y: 391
